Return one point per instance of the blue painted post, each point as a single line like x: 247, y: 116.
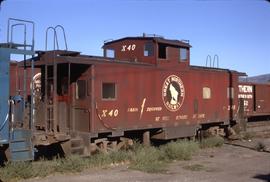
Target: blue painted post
x: 4, y: 95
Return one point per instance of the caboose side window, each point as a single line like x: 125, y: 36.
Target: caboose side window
x: 148, y: 49
x: 230, y: 92
x: 108, y: 91
x: 183, y: 54
x: 109, y: 53
x: 162, y: 51
x: 80, y: 89
x: 206, y: 93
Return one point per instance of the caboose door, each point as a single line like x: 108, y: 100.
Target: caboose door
x: 81, y: 98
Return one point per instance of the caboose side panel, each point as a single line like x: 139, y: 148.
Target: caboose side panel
x: 137, y: 97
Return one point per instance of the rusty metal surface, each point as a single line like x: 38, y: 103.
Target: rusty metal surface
x: 132, y: 50
x: 263, y: 98
x: 149, y: 92
x: 16, y: 78
x: 256, y: 98
x: 176, y: 132
x: 144, y: 93
x: 140, y: 97
x: 156, y: 39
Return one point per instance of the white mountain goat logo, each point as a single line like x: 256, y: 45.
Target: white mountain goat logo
x: 173, y: 93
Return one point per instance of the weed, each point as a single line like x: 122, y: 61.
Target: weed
x: 248, y: 135
x: 23, y: 170
x: 120, y: 156
x: 20, y: 170
x: 260, y: 146
x: 179, y: 150
x: 98, y: 160
x: 211, y: 142
x: 73, y: 163
x: 148, y: 159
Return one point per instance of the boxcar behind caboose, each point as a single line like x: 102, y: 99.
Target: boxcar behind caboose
x: 256, y: 100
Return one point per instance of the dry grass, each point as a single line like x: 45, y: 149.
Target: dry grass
x: 148, y: 159
x: 211, y: 142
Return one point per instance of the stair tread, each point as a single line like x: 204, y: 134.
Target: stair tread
x: 77, y: 148
x: 76, y: 138
x: 19, y: 140
x: 21, y: 150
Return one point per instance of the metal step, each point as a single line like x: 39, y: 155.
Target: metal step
x: 77, y: 146
x: 77, y: 150
x: 20, y: 145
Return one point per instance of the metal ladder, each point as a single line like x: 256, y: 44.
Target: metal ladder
x: 51, y: 105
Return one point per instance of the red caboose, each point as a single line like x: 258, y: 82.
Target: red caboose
x: 17, y: 76
x: 142, y: 85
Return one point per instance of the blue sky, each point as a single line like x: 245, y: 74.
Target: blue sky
x: 238, y: 31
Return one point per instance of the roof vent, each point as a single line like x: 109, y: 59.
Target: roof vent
x: 152, y: 35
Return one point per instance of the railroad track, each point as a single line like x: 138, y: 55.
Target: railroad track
x: 259, y: 128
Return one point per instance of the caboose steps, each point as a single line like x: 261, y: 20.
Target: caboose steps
x: 20, y: 145
x: 76, y: 146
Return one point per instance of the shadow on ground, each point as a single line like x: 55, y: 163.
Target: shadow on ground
x: 263, y: 177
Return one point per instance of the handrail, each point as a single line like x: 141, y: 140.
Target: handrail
x: 210, y: 59
x: 64, y: 33
x: 216, y: 56
x: 55, y: 40
x: 18, y: 24
x: 55, y: 36
x: 10, y: 25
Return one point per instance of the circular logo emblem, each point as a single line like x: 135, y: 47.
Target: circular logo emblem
x: 173, y: 93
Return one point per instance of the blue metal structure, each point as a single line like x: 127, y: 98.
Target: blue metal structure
x: 4, y: 95
x: 19, y: 140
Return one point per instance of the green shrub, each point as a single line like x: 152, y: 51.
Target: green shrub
x: 98, y: 160
x: 120, y: 156
x: 211, y: 142
x: 19, y: 170
x: 260, y: 146
x: 148, y: 159
x: 23, y: 170
x: 179, y: 150
x: 73, y: 163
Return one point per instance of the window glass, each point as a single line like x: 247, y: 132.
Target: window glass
x: 206, y: 93
x: 108, y: 91
x: 230, y: 92
x: 110, y: 53
x: 162, y: 51
x: 183, y: 54
x: 80, y: 89
x: 148, y: 49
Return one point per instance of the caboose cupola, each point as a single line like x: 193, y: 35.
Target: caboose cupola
x: 149, y: 49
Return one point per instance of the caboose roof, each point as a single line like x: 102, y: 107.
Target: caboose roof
x: 162, y: 40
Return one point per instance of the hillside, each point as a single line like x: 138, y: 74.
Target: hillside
x: 257, y: 79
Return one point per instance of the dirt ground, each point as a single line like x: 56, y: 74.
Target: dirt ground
x: 236, y: 162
